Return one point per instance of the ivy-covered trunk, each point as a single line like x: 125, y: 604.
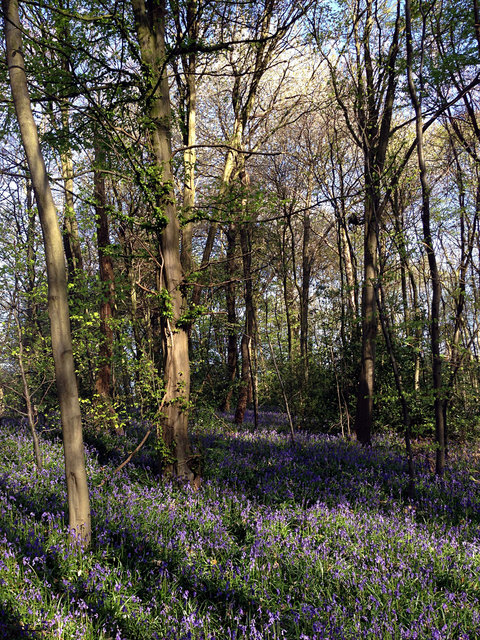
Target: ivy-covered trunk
x: 174, y: 447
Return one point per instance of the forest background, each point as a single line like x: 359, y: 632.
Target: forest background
x: 270, y: 205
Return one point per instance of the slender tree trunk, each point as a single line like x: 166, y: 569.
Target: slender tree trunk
x: 287, y: 296
x: 401, y: 392
x: 76, y: 478
x: 229, y: 174
x: 347, y: 262
x: 305, y: 286
x: 32, y: 317
x: 103, y: 381
x: 232, y: 356
x: 246, y: 390
x: 28, y: 398
x: 71, y: 241
x: 397, y: 210
x: 150, y: 27
x: 133, y: 307
x: 245, y: 379
x: 411, y: 312
x: 350, y: 272
x: 432, y: 261
x: 190, y: 156
x: 364, y: 412
x: 374, y: 109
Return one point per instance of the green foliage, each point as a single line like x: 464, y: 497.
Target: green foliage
x: 193, y: 312
x: 165, y: 453
x: 104, y: 414
x: 157, y: 193
x: 165, y: 303
x: 149, y: 386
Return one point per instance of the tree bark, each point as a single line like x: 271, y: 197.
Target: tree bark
x: 189, y: 137
x: 104, y: 410
x: 432, y: 261
x: 150, y: 28
x: 246, y: 390
x: 232, y: 355
x: 374, y: 109
x: 76, y: 478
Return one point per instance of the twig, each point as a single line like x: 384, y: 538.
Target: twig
x: 130, y: 456
x: 284, y: 393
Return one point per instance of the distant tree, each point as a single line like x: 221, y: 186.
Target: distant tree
x: 104, y: 410
x: 364, y: 81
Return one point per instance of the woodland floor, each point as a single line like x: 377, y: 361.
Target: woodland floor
x: 306, y: 541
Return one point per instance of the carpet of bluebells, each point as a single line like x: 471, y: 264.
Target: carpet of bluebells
x: 308, y: 541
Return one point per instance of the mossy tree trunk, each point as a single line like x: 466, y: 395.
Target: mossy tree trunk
x: 150, y: 28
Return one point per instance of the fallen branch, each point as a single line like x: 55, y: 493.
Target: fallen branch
x: 130, y: 456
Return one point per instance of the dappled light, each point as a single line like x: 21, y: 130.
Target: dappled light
x: 316, y: 540
x: 240, y: 320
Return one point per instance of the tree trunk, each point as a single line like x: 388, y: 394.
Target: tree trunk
x: 305, y: 287
x: 32, y: 314
x: 189, y: 156
x: 432, y: 261
x: 287, y: 297
x: 231, y: 315
x: 350, y: 271
x: 246, y: 389
x: 104, y: 411
x: 229, y: 173
x: 28, y: 398
x: 364, y: 412
x: 374, y: 109
x: 245, y: 380
x: 150, y: 27
x: 76, y: 478
x: 71, y: 240
x: 411, y: 313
